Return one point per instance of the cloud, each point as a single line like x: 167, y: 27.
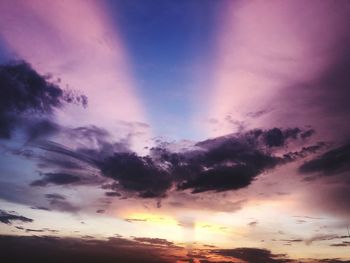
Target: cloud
x: 331, y: 162
x: 8, y: 217
x: 112, y: 194
x: 252, y: 255
x: 323, y: 237
x: 58, y: 202
x: 154, y: 241
x: 63, y: 205
x: 57, y: 249
x: 137, y: 174
x: 119, y: 249
x: 253, y: 223
x: 233, y: 162
x: 55, y: 196
x: 28, y: 230
x: 57, y: 179
x: 221, y: 164
x: 28, y: 100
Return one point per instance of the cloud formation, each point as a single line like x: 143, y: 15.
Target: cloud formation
x: 225, y: 163
x: 8, y: 217
x: 253, y: 255
x: 332, y: 162
x: 27, y: 100
x: 56, y: 178
x: 118, y: 249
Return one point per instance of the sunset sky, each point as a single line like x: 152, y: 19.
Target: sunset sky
x: 175, y: 130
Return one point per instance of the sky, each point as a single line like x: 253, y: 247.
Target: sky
x: 175, y: 130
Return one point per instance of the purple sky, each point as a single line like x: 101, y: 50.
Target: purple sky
x: 200, y: 131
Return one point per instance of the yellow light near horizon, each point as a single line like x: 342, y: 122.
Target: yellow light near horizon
x: 157, y: 225
x: 214, y: 228
x: 158, y: 219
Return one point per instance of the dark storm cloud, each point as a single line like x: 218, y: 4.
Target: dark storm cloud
x: 112, y: 194
x: 221, y: 164
x: 276, y: 137
x: 334, y: 260
x: 40, y: 208
x: 305, y: 151
x: 118, y: 249
x: 28, y: 230
x: 332, y: 162
x: 55, y: 196
x: 60, y: 149
x: 41, y: 129
x: 57, y: 179
x: 27, y: 99
x: 221, y: 179
x: 154, y: 241
x: 134, y: 173
x: 233, y: 162
x: 8, y: 217
x: 54, y: 249
x: 252, y: 255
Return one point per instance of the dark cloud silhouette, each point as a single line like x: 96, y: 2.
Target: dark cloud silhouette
x: 41, y: 129
x: 324, y: 237
x: 40, y: 208
x: 118, y: 249
x: 57, y: 179
x: 221, y: 179
x: 233, y: 162
x: 253, y: 255
x: 304, y: 152
x: 55, y: 196
x: 112, y: 194
x: 24, y: 90
x: 54, y: 249
x: 8, y: 217
x: 27, y: 99
x: 58, y: 202
x: 334, y: 260
x: 28, y: 230
x: 332, y: 162
x: 154, y: 241
x: 138, y: 174
x: 57, y: 148
x: 220, y: 164
x: 276, y: 137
